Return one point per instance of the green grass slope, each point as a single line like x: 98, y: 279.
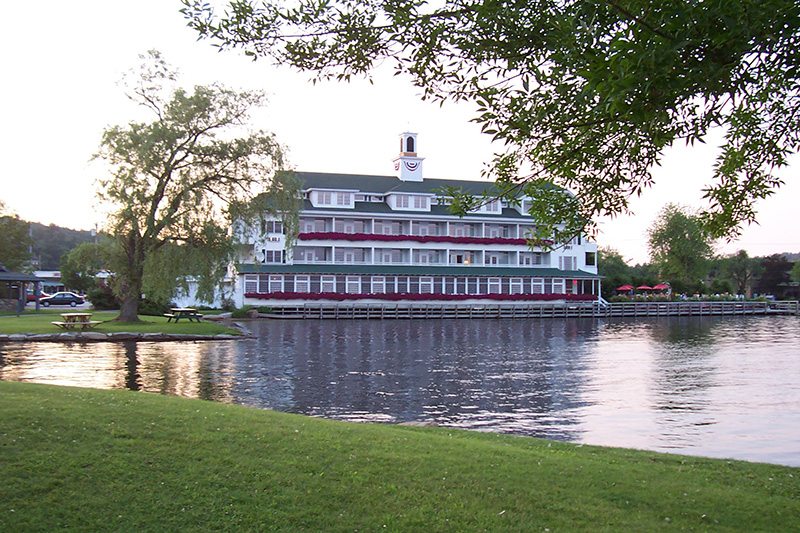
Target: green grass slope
x: 91, y: 460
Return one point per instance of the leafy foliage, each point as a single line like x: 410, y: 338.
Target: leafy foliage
x: 614, y: 269
x: 80, y: 265
x: 177, y: 180
x: 775, y: 271
x: 51, y: 242
x: 586, y: 95
x: 680, y: 247
x: 741, y: 270
x: 14, y: 241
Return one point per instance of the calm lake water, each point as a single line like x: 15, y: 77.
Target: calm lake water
x: 720, y: 387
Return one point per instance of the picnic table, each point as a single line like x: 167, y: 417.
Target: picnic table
x: 189, y: 313
x: 76, y: 321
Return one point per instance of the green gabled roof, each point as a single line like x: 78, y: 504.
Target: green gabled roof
x: 436, y: 210
x: 385, y: 184
x: 417, y: 270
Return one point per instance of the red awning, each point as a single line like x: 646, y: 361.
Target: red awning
x: 644, y: 288
x: 624, y: 288
x: 661, y: 287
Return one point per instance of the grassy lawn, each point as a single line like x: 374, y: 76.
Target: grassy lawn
x: 118, y: 460
x: 32, y: 322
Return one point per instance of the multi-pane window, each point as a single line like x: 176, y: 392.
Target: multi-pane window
x: 426, y: 285
x: 378, y: 285
x: 302, y: 284
x: 559, y: 286
x: 401, y: 200
x: 493, y: 206
x: 352, y: 284
x: 275, y: 283
x: 537, y: 286
x: 327, y: 284
x: 342, y: 198
x: 250, y: 283
x: 271, y: 256
x: 324, y: 198
x: 567, y: 263
x: 515, y: 286
x: 494, y: 286
x: 420, y: 202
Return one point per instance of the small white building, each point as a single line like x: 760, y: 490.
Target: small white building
x: 394, y: 239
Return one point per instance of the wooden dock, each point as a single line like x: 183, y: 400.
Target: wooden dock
x: 352, y: 310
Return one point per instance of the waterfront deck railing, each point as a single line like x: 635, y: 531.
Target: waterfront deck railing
x: 355, y: 310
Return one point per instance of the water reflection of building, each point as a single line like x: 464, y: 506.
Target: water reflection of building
x: 502, y: 375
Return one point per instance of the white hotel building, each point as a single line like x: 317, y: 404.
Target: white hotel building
x: 393, y: 239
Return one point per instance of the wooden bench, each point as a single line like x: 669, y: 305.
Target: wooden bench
x: 89, y: 324
x: 177, y: 316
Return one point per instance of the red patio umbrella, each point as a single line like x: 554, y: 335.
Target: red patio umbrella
x: 624, y: 288
x: 661, y: 287
x: 644, y: 288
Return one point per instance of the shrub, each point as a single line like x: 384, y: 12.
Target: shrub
x: 153, y: 308
x: 242, y: 312
x: 102, y: 298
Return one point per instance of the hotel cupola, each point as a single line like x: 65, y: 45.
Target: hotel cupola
x: 408, y: 165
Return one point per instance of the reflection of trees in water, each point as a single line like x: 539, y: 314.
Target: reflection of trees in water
x: 132, y: 378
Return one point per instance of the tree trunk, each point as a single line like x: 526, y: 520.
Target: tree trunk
x: 130, y: 281
x: 129, y: 309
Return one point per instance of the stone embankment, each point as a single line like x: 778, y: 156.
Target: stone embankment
x: 94, y: 336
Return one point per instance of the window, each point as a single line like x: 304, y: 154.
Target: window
x: 420, y: 202
x: 567, y: 263
x: 324, y: 198
x: 591, y: 258
x: 493, y: 206
x: 559, y: 286
x: 250, y: 283
x: 537, y: 286
x: 272, y: 226
x: 327, y: 284
x: 515, y: 286
x: 426, y: 285
x: 342, y: 198
x: 494, y: 286
x: 491, y: 259
x: 263, y: 283
x: 352, y: 284
x: 302, y: 284
x: 410, y: 144
x: 271, y: 256
x: 360, y: 198
x: 401, y: 200
x: 276, y: 283
x: 378, y: 285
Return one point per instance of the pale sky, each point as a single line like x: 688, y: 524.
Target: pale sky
x: 61, y: 89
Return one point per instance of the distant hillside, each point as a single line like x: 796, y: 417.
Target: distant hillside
x: 51, y: 242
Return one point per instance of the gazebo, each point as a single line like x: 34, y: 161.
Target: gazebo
x: 12, y: 289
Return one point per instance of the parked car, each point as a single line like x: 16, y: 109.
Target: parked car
x: 32, y: 297
x: 62, y: 298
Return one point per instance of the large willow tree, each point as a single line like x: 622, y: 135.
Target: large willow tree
x: 177, y: 182
x: 584, y: 93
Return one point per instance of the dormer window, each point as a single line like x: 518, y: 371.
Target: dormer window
x: 493, y: 206
x: 342, y: 198
x: 324, y: 198
x: 420, y: 202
